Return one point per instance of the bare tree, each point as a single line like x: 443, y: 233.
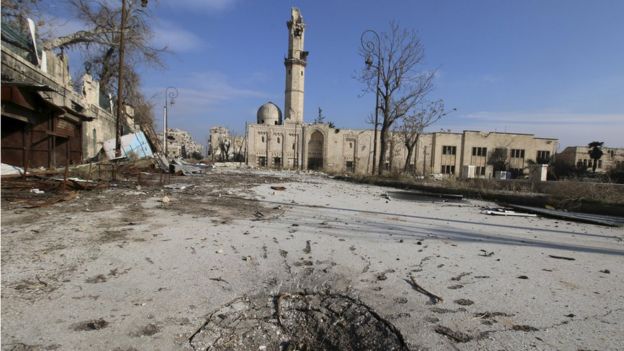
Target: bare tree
x: 99, y: 42
x: 413, y: 124
x: 401, y: 87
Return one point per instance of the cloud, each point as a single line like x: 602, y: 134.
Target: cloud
x: 176, y: 39
x: 201, y: 5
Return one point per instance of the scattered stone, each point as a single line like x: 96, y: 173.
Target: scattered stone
x: 307, y: 248
x: 605, y: 271
x: 455, y: 287
x: 283, y: 253
x: 522, y: 277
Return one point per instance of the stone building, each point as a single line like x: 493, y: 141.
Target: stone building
x: 180, y: 143
x: 288, y: 142
x: 579, y: 156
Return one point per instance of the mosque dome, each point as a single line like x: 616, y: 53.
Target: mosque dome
x: 270, y: 114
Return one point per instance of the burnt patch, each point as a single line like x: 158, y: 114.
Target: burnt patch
x: 297, y: 321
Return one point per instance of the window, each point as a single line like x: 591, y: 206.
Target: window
x: 599, y: 163
x: 262, y: 161
x: 585, y: 163
x: 543, y: 156
x: 277, y: 161
x: 480, y: 170
x: 449, y: 150
x: 517, y: 153
x: 479, y: 151
x: 448, y: 169
x: 262, y: 138
x: 350, y: 145
x: 278, y: 140
x: 293, y: 146
x: 350, y: 166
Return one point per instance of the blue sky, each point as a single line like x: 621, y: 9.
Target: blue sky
x: 553, y: 68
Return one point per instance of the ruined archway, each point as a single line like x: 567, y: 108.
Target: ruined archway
x: 315, y: 150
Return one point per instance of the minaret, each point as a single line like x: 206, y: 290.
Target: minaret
x: 295, y: 64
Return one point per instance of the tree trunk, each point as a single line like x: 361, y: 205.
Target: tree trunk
x: 382, y: 149
x: 594, y: 165
x: 410, y: 151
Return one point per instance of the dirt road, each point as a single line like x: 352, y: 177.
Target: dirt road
x: 197, y: 263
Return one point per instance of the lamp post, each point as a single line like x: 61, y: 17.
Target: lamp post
x: 170, y: 94
x: 372, y: 47
x: 122, y: 27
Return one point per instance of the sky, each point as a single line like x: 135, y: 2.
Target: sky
x: 554, y: 68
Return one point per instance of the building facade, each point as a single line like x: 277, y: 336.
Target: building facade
x: 288, y: 142
x: 579, y: 156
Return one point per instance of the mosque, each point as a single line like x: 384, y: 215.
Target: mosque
x: 286, y: 141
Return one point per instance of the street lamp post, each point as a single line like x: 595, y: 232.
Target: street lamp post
x: 372, y: 47
x: 170, y: 94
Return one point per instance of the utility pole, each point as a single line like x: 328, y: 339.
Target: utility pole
x: 120, y: 80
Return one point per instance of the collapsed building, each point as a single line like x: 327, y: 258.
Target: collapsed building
x: 223, y: 146
x: 180, y: 143
x: 287, y: 141
x: 45, y: 122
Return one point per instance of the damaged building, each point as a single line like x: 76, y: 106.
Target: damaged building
x: 45, y: 122
x: 287, y: 141
x: 180, y: 143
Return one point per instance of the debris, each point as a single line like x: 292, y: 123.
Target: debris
x: 461, y: 275
x: 506, y: 212
x: 522, y: 277
x: 570, y: 315
x: 148, y: 330
x: 464, y: 302
x: 455, y: 287
x: 165, y: 200
x: 611, y: 221
x: 178, y: 186
x: 37, y: 191
x: 307, y: 248
x: 400, y: 300
x: 277, y: 187
x: 434, y: 298
x: 259, y: 214
x: 524, y: 328
x: 94, y: 324
x: 219, y: 279
x: 605, y: 271
x: 562, y: 257
x: 484, y: 253
x: 451, y: 334
x: 381, y: 276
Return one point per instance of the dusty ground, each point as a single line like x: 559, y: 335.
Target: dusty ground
x: 119, y: 269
